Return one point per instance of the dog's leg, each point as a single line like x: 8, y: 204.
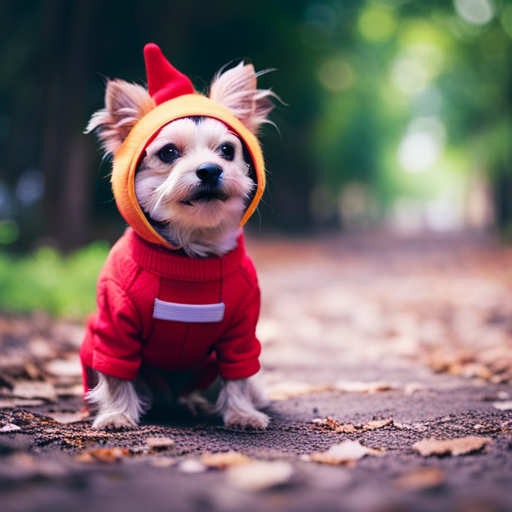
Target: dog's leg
x: 237, y: 404
x: 117, y: 402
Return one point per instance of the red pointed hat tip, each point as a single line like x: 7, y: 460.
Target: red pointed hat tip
x: 165, y: 82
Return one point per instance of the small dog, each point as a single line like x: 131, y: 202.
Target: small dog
x: 193, y: 184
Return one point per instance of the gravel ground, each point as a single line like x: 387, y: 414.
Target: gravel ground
x: 407, y: 345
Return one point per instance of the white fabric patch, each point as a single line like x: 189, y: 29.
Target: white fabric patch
x: 198, y: 313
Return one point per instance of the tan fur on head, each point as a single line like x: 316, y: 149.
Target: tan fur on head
x: 236, y: 90
x: 125, y: 104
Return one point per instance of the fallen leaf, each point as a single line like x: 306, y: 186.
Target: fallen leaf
x: 30, y: 389
x: 21, y: 402
x: 292, y: 389
x: 362, y: 387
x: 411, y: 387
x: 460, y: 446
x: 23, y: 466
x: 65, y: 367
x: 260, y: 475
x: 224, y: 460
x: 332, y: 425
x: 68, y: 391
x: 41, y: 347
x: 159, y: 443
x: 375, y: 424
x: 502, y: 406
x: 107, y: 455
x: 32, y: 371
x: 191, y: 466
x: 421, y: 478
x: 418, y: 427
x: 10, y: 427
x: 67, y: 417
x: 347, y: 451
x: 162, y: 462
x: 347, y: 428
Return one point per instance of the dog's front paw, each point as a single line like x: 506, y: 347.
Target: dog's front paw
x: 245, y: 419
x: 113, y: 421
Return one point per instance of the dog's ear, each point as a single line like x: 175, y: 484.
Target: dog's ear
x: 125, y: 104
x: 236, y: 90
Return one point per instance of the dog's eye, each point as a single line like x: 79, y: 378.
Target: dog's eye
x: 228, y: 151
x: 169, y: 153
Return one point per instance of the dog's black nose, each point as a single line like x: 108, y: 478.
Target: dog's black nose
x: 209, y: 174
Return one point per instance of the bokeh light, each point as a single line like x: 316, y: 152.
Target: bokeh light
x: 475, y: 12
x: 506, y: 19
x: 422, y: 144
x: 9, y: 232
x: 30, y: 187
x: 377, y: 23
x: 335, y: 75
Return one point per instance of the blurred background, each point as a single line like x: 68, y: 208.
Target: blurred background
x: 398, y: 119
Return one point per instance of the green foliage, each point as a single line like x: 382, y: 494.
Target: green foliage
x: 63, y: 286
x: 356, y: 76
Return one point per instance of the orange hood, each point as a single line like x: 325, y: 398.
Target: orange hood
x: 130, y: 153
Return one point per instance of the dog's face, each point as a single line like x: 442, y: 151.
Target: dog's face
x: 193, y: 182
x: 194, y: 175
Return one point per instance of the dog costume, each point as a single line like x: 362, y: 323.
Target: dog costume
x: 158, y: 309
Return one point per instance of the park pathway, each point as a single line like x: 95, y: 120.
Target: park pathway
x: 389, y: 363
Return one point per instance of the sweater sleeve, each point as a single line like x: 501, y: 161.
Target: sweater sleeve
x: 116, y: 334
x: 239, y: 349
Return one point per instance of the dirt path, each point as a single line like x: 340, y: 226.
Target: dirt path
x: 379, y: 342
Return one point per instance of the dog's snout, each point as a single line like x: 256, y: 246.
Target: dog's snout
x: 209, y: 174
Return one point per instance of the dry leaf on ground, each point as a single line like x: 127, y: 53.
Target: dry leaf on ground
x: 159, y: 443
x: 421, y: 478
x: 191, y: 466
x: 65, y: 367
x: 67, y: 417
x: 375, y: 424
x: 259, y: 476
x: 31, y: 389
x: 19, y: 402
x: 108, y: 455
x: 67, y: 391
x: 502, y: 406
x: 461, y: 446
x: 162, y: 462
x: 10, y: 427
x: 343, y: 453
x: 362, y: 387
x: 224, y: 460
x: 418, y: 427
x: 292, y: 389
x: 330, y: 424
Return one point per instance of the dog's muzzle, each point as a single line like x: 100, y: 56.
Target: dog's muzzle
x: 209, y: 174
x: 209, y: 188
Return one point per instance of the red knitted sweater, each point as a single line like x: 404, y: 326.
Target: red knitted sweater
x: 149, y: 311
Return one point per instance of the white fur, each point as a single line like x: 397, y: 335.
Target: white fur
x: 238, y: 403
x: 125, y: 104
x: 119, y: 406
x: 117, y: 402
x: 236, y: 90
x: 202, y: 228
